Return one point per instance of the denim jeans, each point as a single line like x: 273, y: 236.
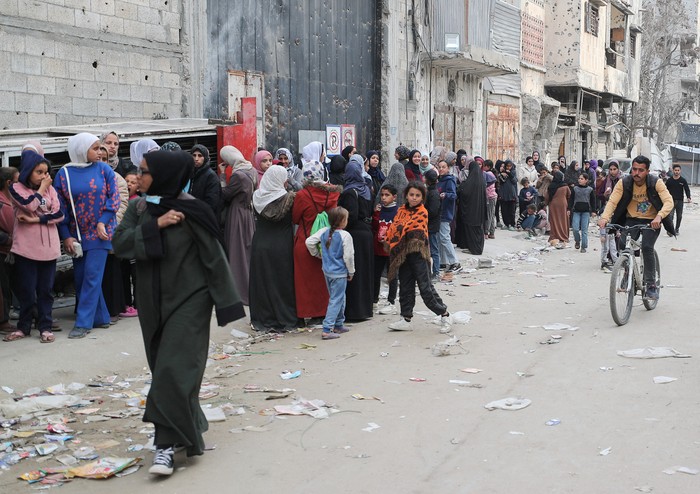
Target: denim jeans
x: 88, y: 271
x: 335, y: 313
x: 579, y: 221
x: 447, y: 251
x: 434, y: 239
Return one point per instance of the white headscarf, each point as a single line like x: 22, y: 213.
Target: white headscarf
x: 312, y: 151
x: 271, y: 187
x: 233, y: 157
x: 289, y: 156
x: 139, y: 148
x: 78, y: 146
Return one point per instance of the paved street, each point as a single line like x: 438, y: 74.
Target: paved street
x: 433, y: 436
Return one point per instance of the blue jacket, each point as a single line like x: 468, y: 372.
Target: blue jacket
x: 447, y: 185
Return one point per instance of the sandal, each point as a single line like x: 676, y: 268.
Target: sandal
x: 47, y: 337
x: 15, y: 335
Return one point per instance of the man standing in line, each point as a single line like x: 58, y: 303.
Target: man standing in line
x: 676, y: 185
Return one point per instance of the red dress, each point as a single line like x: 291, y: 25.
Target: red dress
x: 309, y: 282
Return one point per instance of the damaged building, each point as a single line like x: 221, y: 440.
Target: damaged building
x: 593, y: 71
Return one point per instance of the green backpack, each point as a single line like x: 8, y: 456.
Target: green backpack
x: 321, y: 220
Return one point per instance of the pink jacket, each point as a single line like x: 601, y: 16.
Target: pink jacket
x: 36, y: 241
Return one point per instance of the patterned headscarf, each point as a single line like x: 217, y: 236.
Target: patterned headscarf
x: 354, y: 179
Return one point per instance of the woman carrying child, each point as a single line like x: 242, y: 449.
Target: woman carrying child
x: 409, y: 255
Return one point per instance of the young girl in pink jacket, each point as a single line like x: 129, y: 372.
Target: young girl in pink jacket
x: 35, y: 244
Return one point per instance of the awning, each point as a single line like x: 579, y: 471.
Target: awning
x: 476, y: 61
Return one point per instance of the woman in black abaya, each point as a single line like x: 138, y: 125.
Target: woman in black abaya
x: 472, y: 207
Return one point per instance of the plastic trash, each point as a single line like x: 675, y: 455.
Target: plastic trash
x: 239, y: 334
x: 102, y: 468
x: 679, y: 469
x: 214, y: 414
x: 26, y: 406
x: 508, y: 404
x: 664, y: 379
x: 371, y: 426
x: 605, y: 452
x: 552, y: 422
x: 558, y: 326
x: 286, y: 375
x: 46, y: 449
x: 652, y: 352
x: 461, y: 317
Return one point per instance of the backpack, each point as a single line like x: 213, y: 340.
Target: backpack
x: 321, y: 220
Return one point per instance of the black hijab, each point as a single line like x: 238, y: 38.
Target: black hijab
x: 171, y: 171
x: 557, y: 181
x: 412, y: 166
x: 336, y: 169
x: 472, y: 197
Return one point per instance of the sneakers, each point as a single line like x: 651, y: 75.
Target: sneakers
x: 652, y: 292
x: 455, y: 268
x: 583, y: 250
x: 401, y: 325
x: 163, y: 462
x: 76, y: 333
x: 341, y: 329
x: 492, y: 236
x: 445, y: 324
x: 388, y: 309
x: 129, y: 312
x: 329, y: 335
x: 511, y: 228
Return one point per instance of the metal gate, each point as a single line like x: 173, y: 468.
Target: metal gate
x: 502, y: 126
x: 453, y: 128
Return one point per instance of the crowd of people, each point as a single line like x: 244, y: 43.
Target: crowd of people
x: 167, y: 237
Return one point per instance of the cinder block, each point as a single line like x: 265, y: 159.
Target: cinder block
x: 106, y: 73
x: 171, y: 80
x: 109, y: 108
x: 176, y: 96
x: 61, y: 15
x: 9, y: 7
x: 84, y: 106
x: 105, y: 7
x: 84, y: 19
x: 37, y: 10
x: 134, y: 28
x: 130, y: 76
x: 81, y: 71
x: 161, y: 63
x: 173, y: 35
x: 151, y: 78
x: 161, y: 95
x: 69, y: 88
x: 132, y: 109
x: 94, y: 90
x: 139, y: 61
x: 7, y: 99
x: 63, y: 119
x: 13, y: 120
x: 13, y: 43
x: 171, y: 19
x: 127, y: 10
x: 41, y: 85
x: 112, y: 24
x: 149, y: 15
x: 65, y: 51
x: 154, y: 110
x: 36, y: 120
x: 119, y: 92
x: 54, y: 67
x: 157, y: 33
x: 10, y: 81
x: 29, y: 102
x: 141, y: 93
x: 58, y: 104
x: 78, y: 4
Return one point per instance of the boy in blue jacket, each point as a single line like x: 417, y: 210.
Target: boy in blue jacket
x: 447, y: 186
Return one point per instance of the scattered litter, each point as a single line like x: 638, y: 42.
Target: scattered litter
x: 102, y: 468
x: 371, y: 426
x: 605, y: 369
x: 67, y: 460
x: 458, y: 382
x: 345, y: 356
x: 12, y: 409
x: 248, y: 428
x: 444, y: 348
x: 679, y: 469
x: 46, y: 449
x: 286, y: 375
x: 676, y: 249
x: 446, y: 277
x: 664, y: 379
x: 358, y: 396
x: 485, y: 263
x: 306, y: 346
x: 417, y: 379
x: 461, y: 317
x: 553, y: 422
x: 214, y: 414
x: 239, y: 334
x: 109, y: 443
x: 516, y: 433
x: 508, y: 404
x: 396, y: 343
x: 523, y: 374
x: 384, y: 354
x: 652, y: 352
x: 605, y: 452
x: 540, y: 295
x: 558, y: 326
x: 8, y: 390
x: 555, y: 337
x: 471, y: 370
x: 128, y: 471
x: 86, y: 411
x: 317, y: 409
x: 550, y: 341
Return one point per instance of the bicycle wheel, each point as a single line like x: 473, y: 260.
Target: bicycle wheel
x: 621, y: 290
x: 651, y: 304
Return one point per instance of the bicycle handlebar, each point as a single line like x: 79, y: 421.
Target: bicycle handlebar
x: 615, y: 226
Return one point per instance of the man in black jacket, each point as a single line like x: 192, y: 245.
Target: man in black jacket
x: 205, y: 183
x: 640, y: 198
x: 676, y: 185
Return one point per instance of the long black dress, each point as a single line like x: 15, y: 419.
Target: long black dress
x: 359, y: 293
x: 472, y: 208
x: 272, y: 300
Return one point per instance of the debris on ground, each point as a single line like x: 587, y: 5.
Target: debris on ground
x: 558, y: 326
x: 371, y: 426
x: 358, y: 396
x: 445, y: 348
x: 652, y: 352
x: 508, y: 404
x: 679, y: 469
x: 664, y: 379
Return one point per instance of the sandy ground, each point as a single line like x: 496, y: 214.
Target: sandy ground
x: 433, y: 436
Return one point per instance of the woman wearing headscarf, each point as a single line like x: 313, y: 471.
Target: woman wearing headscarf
x: 397, y: 178
x: 141, y: 147
x: 294, y: 177
x: 375, y: 171
x: 239, y: 225
x: 316, y: 196
x: 119, y: 165
x: 90, y: 199
x: 557, y: 199
x: 453, y: 162
x: 357, y: 199
x: 204, y: 184
x: 347, y: 152
x: 508, y: 193
x: 336, y: 170
x: 401, y: 154
x: 572, y: 173
x: 412, y: 166
x: 261, y: 162
x: 8, y: 176
x: 472, y: 206
x: 182, y: 276
x: 272, y: 300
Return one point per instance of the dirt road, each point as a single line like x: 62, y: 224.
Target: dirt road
x: 618, y: 430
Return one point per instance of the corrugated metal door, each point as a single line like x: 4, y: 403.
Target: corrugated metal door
x: 502, y: 127
x: 464, y: 129
x: 444, y: 127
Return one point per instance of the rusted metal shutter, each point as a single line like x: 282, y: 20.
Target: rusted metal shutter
x: 503, y: 122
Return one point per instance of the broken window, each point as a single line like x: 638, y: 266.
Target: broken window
x: 633, y: 45
x: 592, y: 19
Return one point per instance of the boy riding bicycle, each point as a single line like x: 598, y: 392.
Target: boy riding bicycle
x: 640, y: 198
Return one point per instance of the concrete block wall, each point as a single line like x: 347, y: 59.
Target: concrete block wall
x: 67, y: 62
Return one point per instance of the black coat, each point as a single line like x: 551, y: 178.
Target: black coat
x: 432, y: 204
x: 206, y: 187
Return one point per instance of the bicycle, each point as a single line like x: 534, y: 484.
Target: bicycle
x: 627, y: 275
